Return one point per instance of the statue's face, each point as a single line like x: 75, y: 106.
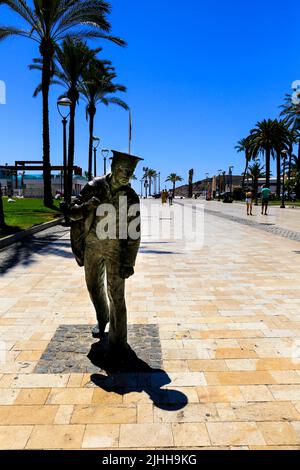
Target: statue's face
x: 121, y: 175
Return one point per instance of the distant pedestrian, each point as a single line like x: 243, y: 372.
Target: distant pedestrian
x: 249, y: 202
x: 164, y: 196
x: 170, y: 197
x: 265, y: 197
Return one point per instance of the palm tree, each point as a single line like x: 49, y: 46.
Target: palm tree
x: 97, y: 87
x: 173, y: 178
x: 246, y: 146
x: 47, y: 23
x: 265, y: 139
x: 255, y: 172
x: 69, y: 63
x: 145, y: 178
x: 151, y: 174
x: 291, y: 111
x: 73, y: 58
x: 284, y: 141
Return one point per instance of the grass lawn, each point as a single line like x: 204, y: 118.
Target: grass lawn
x: 25, y: 213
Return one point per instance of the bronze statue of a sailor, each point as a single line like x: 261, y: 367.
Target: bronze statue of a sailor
x: 105, y: 237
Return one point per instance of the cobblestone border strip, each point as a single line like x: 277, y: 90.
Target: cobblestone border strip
x: 281, y: 232
x: 68, y: 349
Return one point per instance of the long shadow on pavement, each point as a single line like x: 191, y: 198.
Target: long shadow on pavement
x: 22, y: 252
x: 157, y: 252
x: 129, y: 373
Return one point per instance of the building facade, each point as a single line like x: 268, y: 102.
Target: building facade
x: 30, y: 185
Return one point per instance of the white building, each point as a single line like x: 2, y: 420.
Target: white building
x: 30, y: 185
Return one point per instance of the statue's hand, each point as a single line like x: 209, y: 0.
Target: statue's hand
x: 126, y: 272
x: 93, y: 203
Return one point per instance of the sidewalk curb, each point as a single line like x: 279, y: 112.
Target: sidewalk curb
x: 10, y: 239
x: 288, y: 205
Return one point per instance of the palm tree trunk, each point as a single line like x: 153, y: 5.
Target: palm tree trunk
x: 91, y: 112
x: 289, y: 171
x: 298, y: 171
x: 71, y: 150
x: 46, y: 137
x: 245, y: 172
x: 174, y: 189
x: 278, y: 182
x: 268, y: 158
x: 150, y: 186
x: 255, y: 187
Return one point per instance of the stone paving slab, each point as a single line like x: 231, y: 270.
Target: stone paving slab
x: 266, y: 227
x: 228, y: 322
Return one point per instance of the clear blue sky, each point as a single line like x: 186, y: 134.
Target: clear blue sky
x: 199, y: 75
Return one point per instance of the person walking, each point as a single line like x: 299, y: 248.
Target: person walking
x: 164, y: 196
x: 249, y: 202
x: 170, y: 197
x: 265, y: 196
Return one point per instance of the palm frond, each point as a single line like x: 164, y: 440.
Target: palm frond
x: 6, y: 31
x: 118, y: 102
x: 90, y: 13
x: 23, y: 9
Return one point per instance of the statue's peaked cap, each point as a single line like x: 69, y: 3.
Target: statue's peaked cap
x: 129, y: 161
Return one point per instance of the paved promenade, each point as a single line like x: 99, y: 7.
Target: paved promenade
x: 219, y: 328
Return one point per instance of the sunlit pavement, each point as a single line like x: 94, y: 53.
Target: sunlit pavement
x: 228, y: 319
x: 288, y: 218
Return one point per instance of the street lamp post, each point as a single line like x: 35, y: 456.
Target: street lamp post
x: 220, y: 172
x: 96, y: 141
x: 146, y: 188
x: 284, y: 155
x: 230, y: 179
x: 63, y: 104
x: 206, y: 185
x: 22, y: 181
x: 142, y: 187
x: 105, y: 153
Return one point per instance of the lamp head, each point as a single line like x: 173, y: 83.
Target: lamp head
x: 96, y: 141
x: 63, y: 106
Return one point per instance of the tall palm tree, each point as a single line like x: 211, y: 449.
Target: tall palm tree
x: 264, y: 138
x: 173, y: 178
x: 151, y: 174
x: 73, y: 58
x: 47, y: 23
x: 145, y: 178
x: 255, y: 172
x: 284, y: 141
x: 291, y: 111
x: 97, y: 87
x: 246, y: 146
x: 69, y: 63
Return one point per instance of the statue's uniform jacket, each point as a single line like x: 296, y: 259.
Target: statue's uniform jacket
x: 122, y: 252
